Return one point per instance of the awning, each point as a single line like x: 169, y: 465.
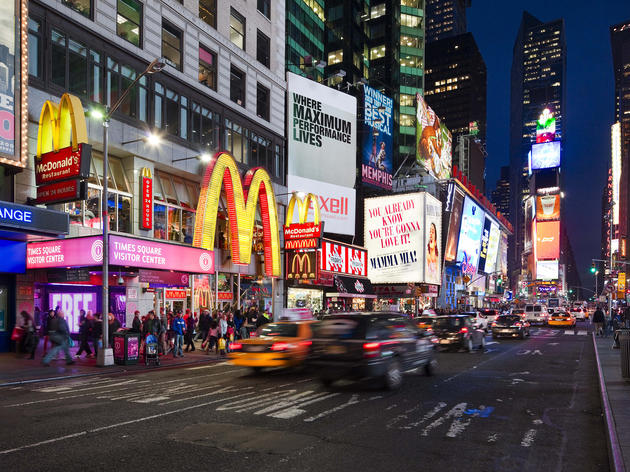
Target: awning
x: 352, y: 287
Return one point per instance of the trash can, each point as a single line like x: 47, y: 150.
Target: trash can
x: 624, y: 342
x: 126, y: 347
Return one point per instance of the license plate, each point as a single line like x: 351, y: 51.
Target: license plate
x: 335, y: 349
x: 444, y: 341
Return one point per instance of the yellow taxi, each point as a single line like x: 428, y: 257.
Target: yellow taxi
x: 561, y: 318
x: 424, y: 322
x: 280, y: 344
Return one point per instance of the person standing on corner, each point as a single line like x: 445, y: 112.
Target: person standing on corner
x: 85, y: 331
x: 598, y: 320
x: 59, y: 334
x: 114, y: 325
x: 178, y: 326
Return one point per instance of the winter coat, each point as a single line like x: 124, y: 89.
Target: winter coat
x: 178, y: 325
x: 598, y: 316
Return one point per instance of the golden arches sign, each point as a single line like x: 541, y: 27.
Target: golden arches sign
x: 222, y: 172
x: 303, y: 205
x: 61, y: 125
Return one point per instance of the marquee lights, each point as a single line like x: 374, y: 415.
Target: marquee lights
x: 222, y: 172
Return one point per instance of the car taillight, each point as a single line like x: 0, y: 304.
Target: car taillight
x: 518, y: 324
x: 236, y: 346
x: 494, y: 324
x: 464, y: 330
x: 279, y: 347
x: 371, y: 349
x: 307, y: 343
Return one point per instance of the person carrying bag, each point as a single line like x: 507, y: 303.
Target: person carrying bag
x: 59, y: 334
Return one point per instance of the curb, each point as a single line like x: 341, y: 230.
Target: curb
x: 614, y: 449
x: 104, y: 372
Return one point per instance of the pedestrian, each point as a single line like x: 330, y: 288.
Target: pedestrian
x: 114, y: 325
x: 239, y: 320
x: 85, y: 333
x: 598, y: 321
x: 46, y: 324
x: 97, y: 330
x: 204, y: 324
x: 223, y: 326
x: 213, y: 337
x: 59, y: 334
x: 178, y: 326
x: 625, y: 317
x: 136, y: 324
x: 190, y: 332
x: 30, y: 339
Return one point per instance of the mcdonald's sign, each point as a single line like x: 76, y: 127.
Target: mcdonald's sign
x: 302, y: 265
x: 146, y: 206
x: 302, y: 235
x: 62, y: 150
x: 241, y: 198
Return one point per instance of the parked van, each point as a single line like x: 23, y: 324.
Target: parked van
x: 536, y: 313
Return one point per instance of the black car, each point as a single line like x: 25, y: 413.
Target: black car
x: 375, y: 345
x: 458, y: 331
x: 510, y: 325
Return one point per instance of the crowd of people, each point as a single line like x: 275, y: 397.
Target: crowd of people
x: 175, y: 331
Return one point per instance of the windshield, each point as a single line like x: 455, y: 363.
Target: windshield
x: 285, y: 330
x: 448, y: 323
x: 508, y: 320
x: 341, y: 327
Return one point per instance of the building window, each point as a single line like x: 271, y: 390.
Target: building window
x: 263, y: 47
x: 264, y: 7
x: 129, y: 21
x: 262, y: 102
x: 174, y: 208
x: 411, y: 41
x: 119, y: 77
x: 204, y: 128
x: 82, y: 6
x: 207, y: 68
x: 377, y: 11
x: 335, y: 57
x: 412, y: 3
x: 237, y: 28
x: 411, y: 20
x: 406, y: 120
x: 208, y: 12
x: 377, y: 52
x: 236, y: 141
x: 237, y: 86
x: 35, y: 48
x: 172, y: 45
x: 407, y: 100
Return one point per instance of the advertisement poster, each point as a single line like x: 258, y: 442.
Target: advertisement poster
x: 547, y: 239
x: 546, y: 155
x: 342, y: 259
x: 321, y: 124
x: 337, y: 204
x: 529, y: 217
x: 432, y: 240
x: 434, y: 142
x: 469, y: 246
x: 503, y: 251
x: 224, y: 287
x: 548, y: 207
x: 450, y: 253
x: 7, y: 78
x: 547, y: 270
x: 72, y: 304
x: 377, y: 147
x: 483, y: 252
x: 493, y: 249
x: 394, y: 238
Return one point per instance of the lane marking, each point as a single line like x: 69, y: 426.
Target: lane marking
x: 353, y: 401
x: 222, y: 390
x: 456, y: 412
x: 297, y: 410
x: 528, y: 438
x: 207, y: 366
x: 150, y: 400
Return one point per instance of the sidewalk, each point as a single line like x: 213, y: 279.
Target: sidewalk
x: 16, y: 369
x: 615, y: 402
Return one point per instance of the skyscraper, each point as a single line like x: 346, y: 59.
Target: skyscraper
x: 500, y: 196
x: 305, y: 38
x: 537, y: 82
x: 446, y: 18
x: 620, y: 42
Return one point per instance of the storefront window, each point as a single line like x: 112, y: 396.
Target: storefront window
x: 93, y: 208
x: 174, y: 219
x: 124, y: 214
x: 188, y: 226
x: 174, y: 224
x: 159, y: 221
x: 305, y: 298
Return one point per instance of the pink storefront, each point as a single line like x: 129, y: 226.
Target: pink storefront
x: 68, y: 273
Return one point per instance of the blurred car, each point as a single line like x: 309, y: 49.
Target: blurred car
x: 518, y: 311
x: 458, y: 331
x: 579, y: 313
x: 375, y: 345
x: 510, y: 325
x: 424, y: 322
x: 429, y: 312
x: 536, y: 314
x: 562, y: 318
x: 478, y: 318
x: 281, y: 344
x: 490, y: 314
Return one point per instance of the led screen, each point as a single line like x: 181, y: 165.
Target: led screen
x: 547, y: 239
x: 434, y: 142
x: 469, y: 246
x: 546, y: 155
x: 547, y: 270
x: 376, y: 169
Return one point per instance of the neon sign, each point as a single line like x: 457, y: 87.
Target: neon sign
x: 14, y: 214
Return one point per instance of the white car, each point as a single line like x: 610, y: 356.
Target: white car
x: 536, y: 314
x: 579, y: 313
x: 478, y: 319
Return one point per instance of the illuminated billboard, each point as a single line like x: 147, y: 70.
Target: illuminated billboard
x: 469, y: 247
x: 434, y: 142
x: 545, y: 155
x: 546, y: 127
x: 547, y: 240
x: 547, y: 270
x: 450, y: 252
x: 485, y: 239
x: 432, y: 240
x: 616, y: 169
x: 377, y: 143
x: 548, y: 207
x: 493, y: 249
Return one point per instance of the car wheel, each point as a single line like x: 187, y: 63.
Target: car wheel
x: 470, y: 346
x: 393, y: 375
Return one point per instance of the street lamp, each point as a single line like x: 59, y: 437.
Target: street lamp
x: 204, y: 157
x: 105, y: 356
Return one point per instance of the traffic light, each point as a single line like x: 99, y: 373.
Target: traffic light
x: 593, y: 268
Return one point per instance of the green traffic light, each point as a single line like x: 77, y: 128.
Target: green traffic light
x: 593, y: 270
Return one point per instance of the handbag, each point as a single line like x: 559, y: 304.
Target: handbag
x: 70, y: 342
x: 17, y: 333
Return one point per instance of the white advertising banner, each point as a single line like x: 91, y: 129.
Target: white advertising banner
x: 394, y: 238
x: 337, y: 204
x: 321, y: 124
x: 493, y: 249
x: 432, y: 240
x: 547, y: 270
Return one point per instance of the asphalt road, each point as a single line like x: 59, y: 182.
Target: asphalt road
x: 529, y: 405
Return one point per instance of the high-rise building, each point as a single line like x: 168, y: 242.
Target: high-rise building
x: 620, y: 41
x: 446, y: 18
x: 305, y: 37
x: 537, y: 82
x: 500, y: 196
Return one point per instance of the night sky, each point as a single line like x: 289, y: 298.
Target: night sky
x: 589, y: 107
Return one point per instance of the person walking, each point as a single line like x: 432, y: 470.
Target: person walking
x: 204, y: 324
x: 598, y: 321
x: 30, y: 339
x: 45, y: 328
x: 85, y: 332
x: 213, y: 337
x: 190, y: 332
x: 97, y: 330
x: 59, y: 334
x: 114, y: 325
x: 136, y: 324
x: 178, y: 325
